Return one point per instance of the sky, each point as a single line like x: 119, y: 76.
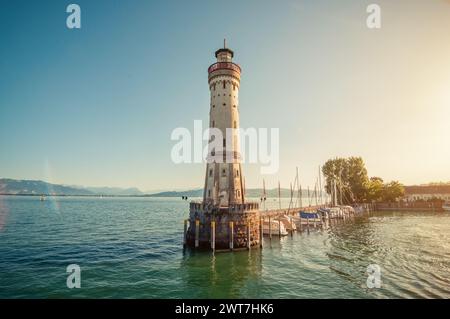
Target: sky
x: 96, y: 106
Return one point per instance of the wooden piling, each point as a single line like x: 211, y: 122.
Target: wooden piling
x: 185, y: 233
x: 307, y: 224
x: 261, y: 231
x: 231, y: 228
x: 292, y: 226
x: 270, y: 228
x: 248, y: 236
x: 279, y: 226
x: 197, y: 232
x: 213, y: 235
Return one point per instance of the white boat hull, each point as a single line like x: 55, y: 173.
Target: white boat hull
x: 275, y: 228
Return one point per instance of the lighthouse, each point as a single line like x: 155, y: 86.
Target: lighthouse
x: 223, y: 181
x: 223, y: 219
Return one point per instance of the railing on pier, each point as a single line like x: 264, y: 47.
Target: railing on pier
x: 232, y: 208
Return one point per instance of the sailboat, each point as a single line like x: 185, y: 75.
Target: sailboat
x: 276, y: 227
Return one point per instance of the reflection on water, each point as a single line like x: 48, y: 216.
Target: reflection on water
x: 132, y: 248
x: 227, y: 275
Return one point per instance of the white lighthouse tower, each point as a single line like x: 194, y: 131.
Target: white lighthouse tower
x: 223, y: 219
x: 223, y: 181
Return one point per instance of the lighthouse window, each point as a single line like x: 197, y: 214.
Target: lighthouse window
x: 235, y: 126
x: 214, y: 86
x: 224, y: 104
x: 224, y: 142
x: 213, y: 123
x: 234, y: 105
x: 234, y: 87
x: 214, y: 105
x: 237, y: 173
x: 209, y: 193
x: 224, y: 172
x: 224, y: 84
x: 210, y: 172
x: 238, y: 193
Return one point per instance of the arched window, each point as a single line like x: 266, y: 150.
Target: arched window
x: 224, y: 84
x: 210, y: 172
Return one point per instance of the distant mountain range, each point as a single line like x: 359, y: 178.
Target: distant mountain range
x: 28, y: 187
x: 31, y: 187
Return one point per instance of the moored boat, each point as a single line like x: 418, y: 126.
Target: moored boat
x: 275, y: 227
x: 288, y: 223
x: 446, y: 206
x: 307, y: 218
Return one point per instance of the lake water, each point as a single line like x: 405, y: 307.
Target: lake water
x: 132, y: 248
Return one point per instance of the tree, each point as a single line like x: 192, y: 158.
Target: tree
x: 350, y: 176
x: 393, y: 191
x: 374, y: 189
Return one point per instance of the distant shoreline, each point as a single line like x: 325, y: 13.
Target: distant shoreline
x: 138, y: 196
x: 82, y: 195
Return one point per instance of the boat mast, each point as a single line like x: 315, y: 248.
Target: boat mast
x: 264, y: 195
x: 309, y: 197
x: 320, y: 186
x: 299, y: 186
x: 279, y: 194
x: 292, y: 196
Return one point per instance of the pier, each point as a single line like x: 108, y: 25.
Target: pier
x: 240, y: 230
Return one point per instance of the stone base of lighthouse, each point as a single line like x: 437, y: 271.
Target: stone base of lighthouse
x: 234, y: 227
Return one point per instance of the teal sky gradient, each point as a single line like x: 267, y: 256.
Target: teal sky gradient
x: 96, y: 106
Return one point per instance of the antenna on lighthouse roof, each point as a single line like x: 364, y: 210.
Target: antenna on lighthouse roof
x: 224, y: 43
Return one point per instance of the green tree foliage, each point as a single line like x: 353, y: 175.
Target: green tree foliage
x: 350, y: 176
x: 392, y: 191
x: 374, y: 190
x: 353, y: 184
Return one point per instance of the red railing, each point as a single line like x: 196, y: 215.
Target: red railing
x: 224, y: 65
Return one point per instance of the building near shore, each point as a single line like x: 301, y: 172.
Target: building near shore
x: 427, y: 192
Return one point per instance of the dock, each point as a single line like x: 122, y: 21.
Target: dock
x: 275, y: 223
